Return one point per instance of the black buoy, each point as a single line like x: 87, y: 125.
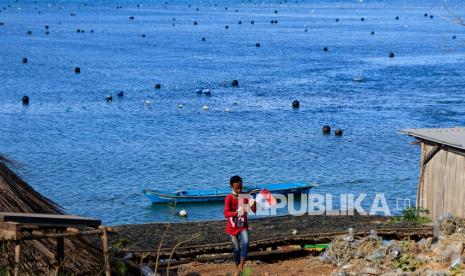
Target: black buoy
x: 240, y: 22
x: 425, y: 15
x: 338, y: 132
x: 295, y: 104
x: 77, y: 70
x: 372, y: 33
x: 195, y: 22
x: 362, y: 19
x: 235, y: 83
x: 120, y: 94
x: 24, y: 61
x: 78, y: 30
x: 391, y: 55
x: 325, y: 49
x: 337, y: 19
x: 397, y: 18
x: 1, y: 23
x: 29, y: 32
x: 326, y: 129
x: 431, y: 16
x: 203, y: 38
x: 252, y: 22
x: 25, y: 100
x: 47, y: 33
x: 157, y: 86
x: 143, y: 35
x: 131, y: 17
x: 306, y: 30
x: 257, y: 45
x: 226, y: 27
x: 46, y: 27
x: 454, y: 37
x: 109, y: 98
x: 275, y: 11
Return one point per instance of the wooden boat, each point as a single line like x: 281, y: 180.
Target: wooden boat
x: 186, y: 196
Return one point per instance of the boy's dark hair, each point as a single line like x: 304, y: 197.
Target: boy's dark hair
x: 235, y: 179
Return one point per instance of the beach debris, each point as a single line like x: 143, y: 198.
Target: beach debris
x: 295, y: 104
x: 24, y: 61
x: 326, y: 129
x: 350, y: 236
x: 120, y: 94
x: 235, y: 83
x: 109, y: 98
x: 338, y: 132
x: 25, y: 100
x: 148, y: 102
x: 294, y: 232
x: 391, y: 55
x: 205, y: 107
x: 227, y: 110
x: 182, y: 213
x: 206, y: 91
x: 146, y: 271
x: 157, y: 86
x: 180, y: 106
x: 77, y: 70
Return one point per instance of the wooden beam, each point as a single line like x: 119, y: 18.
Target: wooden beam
x: 49, y: 220
x: 106, y: 255
x: 17, y: 259
x: 431, y: 154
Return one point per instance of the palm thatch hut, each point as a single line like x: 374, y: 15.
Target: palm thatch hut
x: 38, y: 258
x: 441, y: 185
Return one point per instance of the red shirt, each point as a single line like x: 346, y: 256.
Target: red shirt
x: 231, y: 204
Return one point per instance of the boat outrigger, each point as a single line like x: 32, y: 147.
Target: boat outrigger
x: 186, y: 196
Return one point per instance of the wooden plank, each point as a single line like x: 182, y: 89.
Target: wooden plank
x: 106, y: 255
x: 17, y: 259
x: 7, y: 235
x: 49, y: 220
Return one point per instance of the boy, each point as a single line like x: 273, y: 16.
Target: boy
x: 236, y: 221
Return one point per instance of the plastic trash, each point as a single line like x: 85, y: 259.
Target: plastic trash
x: 324, y: 258
x: 146, y: 271
x: 373, y: 234
x: 128, y: 256
x: 444, y: 216
x: 456, y: 261
x: 350, y: 236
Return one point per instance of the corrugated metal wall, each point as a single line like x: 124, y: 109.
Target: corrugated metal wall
x: 442, y: 183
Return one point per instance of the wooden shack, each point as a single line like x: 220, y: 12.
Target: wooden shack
x: 441, y: 186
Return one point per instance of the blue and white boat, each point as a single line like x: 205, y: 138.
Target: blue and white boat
x: 189, y: 195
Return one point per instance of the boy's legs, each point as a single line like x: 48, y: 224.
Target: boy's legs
x: 244, y: 247
x: 236, y: 249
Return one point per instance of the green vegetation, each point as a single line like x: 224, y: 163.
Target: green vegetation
x: 412, y: 215
x: 407, y: 263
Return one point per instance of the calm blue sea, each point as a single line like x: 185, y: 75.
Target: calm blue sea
x: 94, y: 157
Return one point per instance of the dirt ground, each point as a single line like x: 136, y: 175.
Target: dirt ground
x: 302, y: 266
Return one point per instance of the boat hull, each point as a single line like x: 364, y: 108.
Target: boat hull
x: 219, y: 195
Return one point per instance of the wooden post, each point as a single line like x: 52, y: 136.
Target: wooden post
x: 17, y: 257
x: 106, y: 256
x: 59, y: 255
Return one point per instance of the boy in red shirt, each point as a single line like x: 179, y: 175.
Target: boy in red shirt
x: 236, y: 221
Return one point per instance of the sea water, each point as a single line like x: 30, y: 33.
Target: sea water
x: 94, y: 157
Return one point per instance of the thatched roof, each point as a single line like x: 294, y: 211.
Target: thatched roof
x: 17, y: 196
x: 82, y: 257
